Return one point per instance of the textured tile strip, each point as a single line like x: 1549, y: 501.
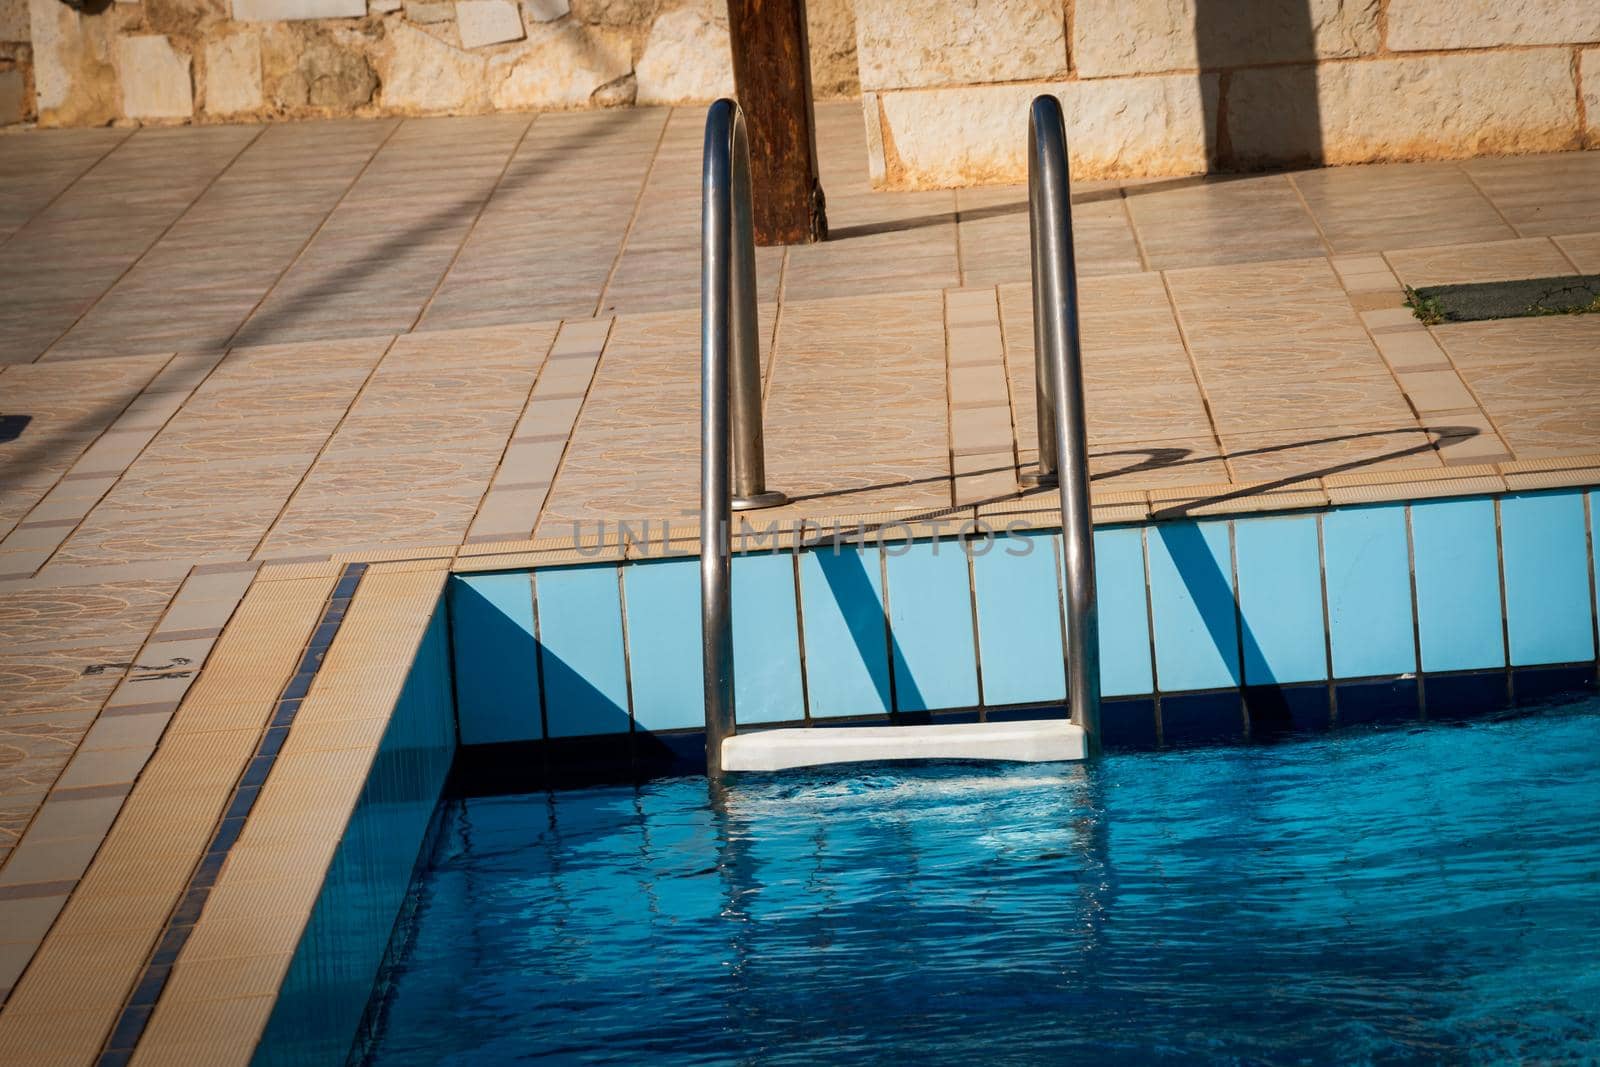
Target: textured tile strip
x: 74, y: 989
x: 981, y: 453
x: 511, y: 507
x: 180, y: 924
x: 225, y: 984
x: 76, y: 815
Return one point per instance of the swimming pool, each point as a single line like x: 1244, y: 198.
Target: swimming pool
x: 1420, y: 893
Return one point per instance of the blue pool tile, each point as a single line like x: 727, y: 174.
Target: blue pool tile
x: 1546, y: 555
x: 496, y: 658
x: 1201, y: 718
x: 847, y: 651
x: 1019, y: 620
x: 766, y: 641
x: 1458, y: 585
x: 1368, y: 569
x: 930, y: 615
x: 1124, y: 613
x: 580, y: 637
x: 1365, y: 703
x: 664, y: 652
x: 1191, y: 590
x: 1280, y: 600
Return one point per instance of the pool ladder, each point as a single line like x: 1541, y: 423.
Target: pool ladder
x: 733, y: 468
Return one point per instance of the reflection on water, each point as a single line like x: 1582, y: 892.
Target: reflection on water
x: 1427, y: 894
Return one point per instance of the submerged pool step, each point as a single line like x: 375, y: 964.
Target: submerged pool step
x: 1036, y: 741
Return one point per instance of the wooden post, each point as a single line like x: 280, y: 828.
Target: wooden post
x: 772, y: 75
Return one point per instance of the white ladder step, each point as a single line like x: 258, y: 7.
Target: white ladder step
x: 1033, y: 741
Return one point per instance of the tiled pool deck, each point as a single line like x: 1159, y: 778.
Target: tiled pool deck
x: 234, y: 359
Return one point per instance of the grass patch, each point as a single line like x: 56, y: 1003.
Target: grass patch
x: 1426, y: 308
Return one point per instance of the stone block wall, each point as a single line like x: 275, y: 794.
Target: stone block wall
x: 1150, y: 87
x: 164, y: 61
x: 1173, y: 87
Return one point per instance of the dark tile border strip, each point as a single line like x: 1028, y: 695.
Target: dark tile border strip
x: 91, y: 792
x: 30, y: 890
x: 1198, y: 719
x: 141, y: 1003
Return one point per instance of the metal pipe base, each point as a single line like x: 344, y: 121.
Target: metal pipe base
x: 1036, y: 480
x: 769, y: 499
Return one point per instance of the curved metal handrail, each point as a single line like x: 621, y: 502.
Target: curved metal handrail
x: 730, y: 385
x: 730, y: 399
x: 1058, y: 383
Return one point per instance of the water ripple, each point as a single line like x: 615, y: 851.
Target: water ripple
x: 1418, y: 895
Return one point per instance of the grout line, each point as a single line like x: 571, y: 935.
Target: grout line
x: 167, y: 229
x: 117, y: 478
x: 770, y: 363
x: 323, y: 448
x: 538, y: 658
x: 138, y: 1005
x: 633, y: 217
x: 577, y: 417
x: 1562, y: 252
x: 1465, y: 384
x: 1199, y: 381
x: 505, y: 447
x: 955, y: 211
x: 1586, y: 498
x: 1133, y: 229
x: 799, y: 627
x: 1316, y: 223
x: 1416, y: 617
x: 65, y: 189
x: 316, y: 232
x: 1057, y: 552
x: 1327, y: 622
x: 1238, y: 622
x: 1505, y: 602
x: 1150, y: 626
x: 1394, y: 374
x: 627, y: 657
x: 91, y: 443
x: 1460, y: 165
x: 472, y: 226
x: 893, y: 709
x: 1005, y: 374
x: 977, y: 634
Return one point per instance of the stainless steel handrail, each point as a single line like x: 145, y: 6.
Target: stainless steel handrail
x: 1058, y: 384
x: 730, y: 399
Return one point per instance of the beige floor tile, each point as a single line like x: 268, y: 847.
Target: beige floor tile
x: 1583, y: 249
x: 1495, y: 261
x: 1366, y: 209
x: 1542, y: 194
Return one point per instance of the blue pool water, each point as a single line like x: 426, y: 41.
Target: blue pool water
x: 1427, y: 894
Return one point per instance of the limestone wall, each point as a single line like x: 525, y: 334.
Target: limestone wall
x: 1171, y: 87
x: 1151, y: 87
x: 159, y: 61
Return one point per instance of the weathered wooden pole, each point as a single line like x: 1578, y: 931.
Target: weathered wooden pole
x: 772, y: 76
